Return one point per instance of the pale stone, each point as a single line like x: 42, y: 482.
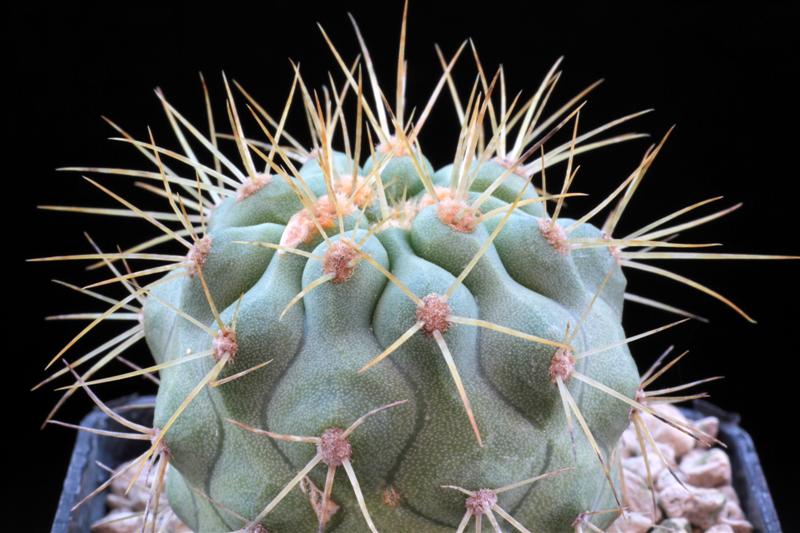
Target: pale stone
x: 707, y: 468
x: 702, y: 507
x: 729, y: 493
x: 637, y: 496
x: 708, y: 425
x: 667, y: 434
x: 720, y: 528
x: 116, y: 522
x: 629, y: 444
x: 667, y: 479
x: 632, y: 522
x: 637, y: 465
x: 733, y: 516
x: 676, y: 525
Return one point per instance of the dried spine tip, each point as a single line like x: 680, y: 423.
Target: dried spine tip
x: 339, y: 261
x: 225, y: 345
x: 562, y: 365
x: 434, y: 313
x: 198, y: 254
x: 481, y: 501
x: 458, y: 215
x: 555, y: 235
x: 333, y: 447
x: 315, y: 498
x: 252, y: 186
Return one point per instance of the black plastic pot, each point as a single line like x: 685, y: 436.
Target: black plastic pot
x: 84, y: 474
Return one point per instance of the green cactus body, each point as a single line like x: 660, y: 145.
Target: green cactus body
x: 404, y: 455
x: 385, y: 347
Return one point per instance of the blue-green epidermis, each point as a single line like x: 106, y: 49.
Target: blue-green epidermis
x: 403, y: 455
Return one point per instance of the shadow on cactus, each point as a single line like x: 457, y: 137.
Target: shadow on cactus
x: 448, y: 342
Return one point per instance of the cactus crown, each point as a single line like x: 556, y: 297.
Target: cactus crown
x: 449, y: 338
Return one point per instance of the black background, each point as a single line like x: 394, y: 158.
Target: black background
x: 725, y: 75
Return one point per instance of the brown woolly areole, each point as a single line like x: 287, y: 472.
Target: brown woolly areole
x: 358, y: 190
x: 562, y: 365
x: 197, y: 255
x: 301, y: 228
x: 555, y: 235
x: 339, y: 261
x: 458, y: 215
x: 252, y: 186
x: 481, y: 501
x: 508, y: 164
x: 390, y: 497
x: 256, y: 528
x: 403, y: 213
x: 225, y: 345
x: 333, y: 447
x: 434, y: 313
x: 392, y: 145
x: 441, y: 193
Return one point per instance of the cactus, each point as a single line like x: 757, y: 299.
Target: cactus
x: 449, y: 338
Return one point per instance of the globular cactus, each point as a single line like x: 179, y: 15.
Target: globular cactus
x: 322, y: 353
x: 356, y: 347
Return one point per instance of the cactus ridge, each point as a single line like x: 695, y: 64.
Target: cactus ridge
x: 449, y: 338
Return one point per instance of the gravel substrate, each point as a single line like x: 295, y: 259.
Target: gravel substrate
x: 703, y: 499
